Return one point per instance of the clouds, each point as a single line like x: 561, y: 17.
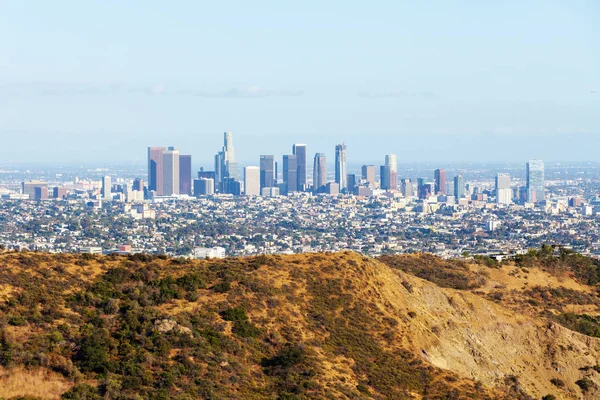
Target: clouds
x: 150, y: 89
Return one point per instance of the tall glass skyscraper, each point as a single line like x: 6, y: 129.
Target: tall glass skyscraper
x: 440, y: 181
x: 185, y: 174
x: 155, y: 156
x: 299, y: 150
x: 290, y: 173
x: 503, y: 190
x: 392, y: 162
x: 459, y: 187
x: 535, y: 181
x: 170, y: 176
x: 319, y: 172
x: 267, y: 171
x: 341, y: 166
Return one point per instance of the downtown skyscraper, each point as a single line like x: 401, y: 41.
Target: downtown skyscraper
x: 290, y: 174
x: 368, y: 174
x: 341, y: 167
x: 185, y: 174
x: 267, y: 171
x: 225, y: 164
x: 536, y: 191
x: 440, y: 181
x: 155, y: 170
x: 459, y: 187
x: 170, y: 172
x: 319, y: 172
x: 389, y: 172
x: 252, y: 181
x: 503, y: 190
x: 299, y: 150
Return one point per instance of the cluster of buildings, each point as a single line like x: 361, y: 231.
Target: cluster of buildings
x: 169, y: 173
x: 267, y: 209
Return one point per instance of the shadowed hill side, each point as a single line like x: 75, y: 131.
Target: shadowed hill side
x: 290, y: 327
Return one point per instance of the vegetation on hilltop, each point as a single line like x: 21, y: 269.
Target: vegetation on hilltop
x: 266, y: 327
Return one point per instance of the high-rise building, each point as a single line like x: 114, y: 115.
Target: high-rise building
x: 170, y: 172
x: 138, y: 184
x: 185, y: 174
x: 290, y: 173
x: 267, y: 171
x: 420, y: 186
x: 204, y: 186
x: 385, y: 177
x: 319, y: 173
x: 368, y: 174
x: 231, y: 164
x: 536, y: 191
x: 351, y: 181
x: 29, y: 188
x: 440, y: 181
x: 155, y: 172
x: 106, y: 188
x: 225, y: 164
x: 503, y: 190
x: 40, y: 193
x: 407, y: 188
x: 299, y: 150
x: 392, y: 161
x: 341, y: 166
x: 459, y: 187
x: 252, y: 181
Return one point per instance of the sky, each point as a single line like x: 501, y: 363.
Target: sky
x: 99, y: 81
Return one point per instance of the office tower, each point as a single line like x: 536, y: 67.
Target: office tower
x: 170, y: 172
x: 290, y: 173
x: 368, y: 174
x: 503, y: 190
x: 252, y: 181
x: 185, y: 174
x: 440, y: 181
x: 420, y: 184
x: 40, y: 193
x: 138, y: 184
x: 267, y: 171
x: 407, y: 188
x: 59, y: 192
x: 230, y: 165
x: 299, y: 150
x: 231, y: 186
x: 319, y: 173
x: 106, y: 188
x: 351, y: 181
x: 459, y: 187
x: 204, y: 186
x: 392, y: 161
x: 385, y: 177
x: 219, y: 167
x: 225, y: 164
x: 535, y: 181
x: 341, y: 167
x: 155, y: 172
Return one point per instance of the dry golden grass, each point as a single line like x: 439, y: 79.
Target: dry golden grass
x: 37, y: 382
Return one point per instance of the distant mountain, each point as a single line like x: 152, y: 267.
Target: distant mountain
x: 310, y: 326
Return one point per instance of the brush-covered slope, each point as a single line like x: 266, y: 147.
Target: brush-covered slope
x: 332, y: 326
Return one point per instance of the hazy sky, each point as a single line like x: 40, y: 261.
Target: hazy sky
x: 98, y: 81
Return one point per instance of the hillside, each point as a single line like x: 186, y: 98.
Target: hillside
x: 334, y: 326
